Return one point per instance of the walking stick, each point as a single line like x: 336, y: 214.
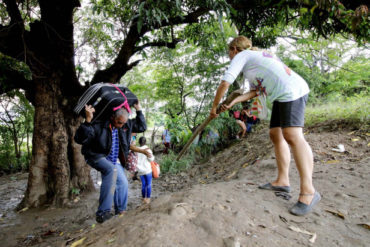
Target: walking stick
x: 227, y: 101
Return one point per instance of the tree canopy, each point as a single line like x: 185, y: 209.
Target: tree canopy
x: 117, y: 30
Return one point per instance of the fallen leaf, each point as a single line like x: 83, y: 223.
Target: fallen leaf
x: 368, y: 134
x: 93, y: 226
x: 111, y: 240
x: 231, y: 175
x: 365, y: 225
x: 351, y: 133
x: 61, y: 234
x: 336, y: 213
x: 78, y: 242
x: 332, y: 162
x: 23, y: 210
x: 245, y: 165
x: 368, y: 144
x: 50, y: 232
x: 202, y: 181
x: 313, y: 238
x: 297, y: 229
x: 355, y: 139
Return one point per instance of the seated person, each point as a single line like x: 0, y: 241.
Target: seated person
x: 239, y: 120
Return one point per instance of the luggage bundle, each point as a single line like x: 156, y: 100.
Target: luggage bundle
x: 105, y: 98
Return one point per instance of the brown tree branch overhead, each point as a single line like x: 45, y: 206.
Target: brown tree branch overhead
x: 13, y: 80
x: 129, y: 46
x: 171, y: 44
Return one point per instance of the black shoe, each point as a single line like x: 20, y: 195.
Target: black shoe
x: 103, y: 217
x: 135, y: 176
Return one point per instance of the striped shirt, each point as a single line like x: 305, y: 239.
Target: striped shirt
x: 113, y: 155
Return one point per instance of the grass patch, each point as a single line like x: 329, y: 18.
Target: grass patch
x: 169, y: 164
x: 356, y: 109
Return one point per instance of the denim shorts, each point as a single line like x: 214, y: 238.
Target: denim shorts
x: 288, y: 114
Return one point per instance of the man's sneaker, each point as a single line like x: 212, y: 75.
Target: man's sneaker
x: 103, y: 217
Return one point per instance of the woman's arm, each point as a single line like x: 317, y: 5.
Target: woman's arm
x: 140, y: 150
x: 222, y: 88
x: 241, y: 98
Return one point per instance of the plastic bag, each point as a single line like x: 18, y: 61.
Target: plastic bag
x: 262, y: 111
x: 155, y: 169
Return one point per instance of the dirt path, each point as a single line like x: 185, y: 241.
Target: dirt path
x: 217, y: 203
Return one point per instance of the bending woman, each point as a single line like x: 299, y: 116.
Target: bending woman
x: 288, y: 92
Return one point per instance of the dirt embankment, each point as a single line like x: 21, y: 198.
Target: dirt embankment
x: 218, y: 204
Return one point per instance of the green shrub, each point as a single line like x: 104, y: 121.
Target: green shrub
x: 169, y: 164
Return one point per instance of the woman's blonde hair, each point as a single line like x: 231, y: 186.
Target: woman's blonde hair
x: 241, y: 43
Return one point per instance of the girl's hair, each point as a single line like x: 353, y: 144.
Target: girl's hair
x: 241, y: 43
x: 142, y: 141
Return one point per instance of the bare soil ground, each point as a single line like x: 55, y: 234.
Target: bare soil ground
x: 217, y: 203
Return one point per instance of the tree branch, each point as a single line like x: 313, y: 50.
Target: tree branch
x: 128, y: 48
x: 171, y: 44
x: 13, y: 79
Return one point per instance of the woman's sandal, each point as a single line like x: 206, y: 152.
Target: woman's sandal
x: 301, y: 208
x: 269, y: 186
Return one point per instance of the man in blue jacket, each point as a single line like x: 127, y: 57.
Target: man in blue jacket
x: 103, y: 143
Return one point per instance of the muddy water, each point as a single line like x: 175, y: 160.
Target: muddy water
x: 13, y: 187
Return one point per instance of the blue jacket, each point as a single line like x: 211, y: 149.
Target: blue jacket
x: 96, y: 137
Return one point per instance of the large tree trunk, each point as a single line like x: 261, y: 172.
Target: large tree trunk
x: 57, y: 165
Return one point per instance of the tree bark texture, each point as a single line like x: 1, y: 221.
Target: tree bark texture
x: 57, y: 164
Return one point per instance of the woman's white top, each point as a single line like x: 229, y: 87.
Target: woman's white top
x: 267, y: 75
x: 143, y: 162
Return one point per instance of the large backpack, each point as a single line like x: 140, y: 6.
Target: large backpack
x: 105, y: 98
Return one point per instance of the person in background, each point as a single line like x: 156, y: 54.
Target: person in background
x: 249, y: 119
x: 166, y: 140
x: 237, y: 115
x: 268, y: 76
x: 144, y: 170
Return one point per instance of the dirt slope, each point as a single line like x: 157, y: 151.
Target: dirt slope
x: 218, y: 204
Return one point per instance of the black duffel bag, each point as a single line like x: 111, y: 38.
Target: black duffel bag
x: 105, y: 98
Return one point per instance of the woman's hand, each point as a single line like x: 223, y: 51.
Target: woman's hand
x: 224, y: 107
x: 89, y: 112
x: 213, y: 114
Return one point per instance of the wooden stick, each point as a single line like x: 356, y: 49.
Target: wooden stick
x: 227, y: 101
